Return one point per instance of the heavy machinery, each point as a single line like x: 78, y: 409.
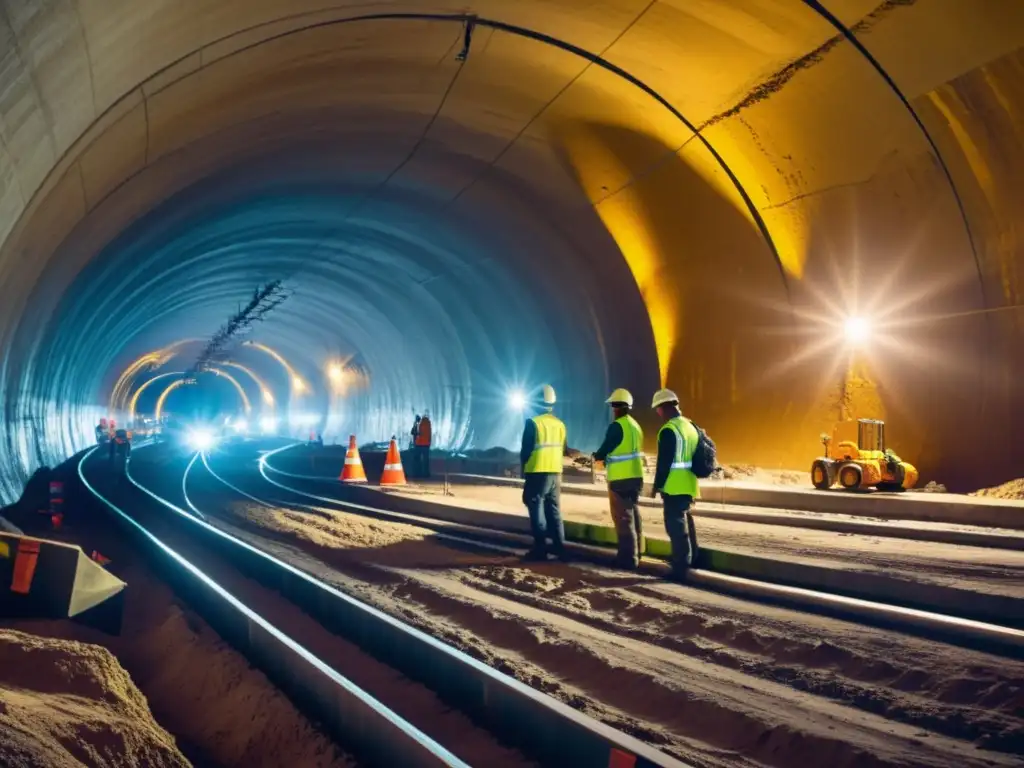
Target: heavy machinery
x: 859, y: 460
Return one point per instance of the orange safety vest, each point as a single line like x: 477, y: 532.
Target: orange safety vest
x: 423, y: 436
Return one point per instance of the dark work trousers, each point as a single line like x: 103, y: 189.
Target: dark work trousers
x: 623, y: 499
x: 422, y: 453
x: 681, y: 532
x: 542, y: 492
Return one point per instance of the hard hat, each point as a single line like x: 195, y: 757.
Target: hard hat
x: 663, y: 396
x: 549, y: 394
x: 621, y: 395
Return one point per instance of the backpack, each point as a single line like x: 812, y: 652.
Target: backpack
x: 704, y: 461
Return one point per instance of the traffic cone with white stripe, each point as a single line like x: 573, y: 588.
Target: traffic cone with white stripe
x: 353, y: 471
x: 393, y: 473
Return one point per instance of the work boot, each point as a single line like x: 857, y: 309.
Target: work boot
x: 626, y: 563
x: 678, y: 575
x: 535, y: 556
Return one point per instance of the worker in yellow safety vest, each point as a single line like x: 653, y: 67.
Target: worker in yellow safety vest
x: 674, y: 480
x: 541, y: 455
x: 623, y: 457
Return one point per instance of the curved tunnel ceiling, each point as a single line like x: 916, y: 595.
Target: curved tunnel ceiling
x: 602, y: 194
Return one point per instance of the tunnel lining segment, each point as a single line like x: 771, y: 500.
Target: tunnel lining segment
x: 60, y: 166
x: 862, y: 49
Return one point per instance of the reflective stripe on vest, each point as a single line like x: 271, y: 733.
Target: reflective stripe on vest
x: 681, y: 481
x: 626, y: 460
x: 548, y: 450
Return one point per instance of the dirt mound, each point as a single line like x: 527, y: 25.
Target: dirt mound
x: 1013, y: 490
x: 65, y: 703
x: 750, y: 473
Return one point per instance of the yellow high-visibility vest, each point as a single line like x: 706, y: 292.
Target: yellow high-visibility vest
x: 626, y: 460
x: 681, y: 480
x: 550, y: 445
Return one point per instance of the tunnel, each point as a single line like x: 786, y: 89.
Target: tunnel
x: 462, y: 201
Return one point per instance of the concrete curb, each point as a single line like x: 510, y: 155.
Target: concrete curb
x: 991, y: 637
x: 1001, y: 610
x: 920, y: 507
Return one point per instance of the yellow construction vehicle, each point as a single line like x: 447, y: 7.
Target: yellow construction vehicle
x: 860, y: 460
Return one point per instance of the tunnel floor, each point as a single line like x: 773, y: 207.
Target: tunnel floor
x: 710, y: 679
x: 678, y: 667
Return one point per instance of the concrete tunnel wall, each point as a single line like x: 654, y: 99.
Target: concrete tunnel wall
x: 530, y: 213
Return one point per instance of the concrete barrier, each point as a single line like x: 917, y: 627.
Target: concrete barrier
x: 925, y: 507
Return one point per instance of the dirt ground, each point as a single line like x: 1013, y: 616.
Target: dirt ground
x: 979, y: 569
x: 220, y: 710
x: 65, y: 703
x: 1013, y: 490
x: 714, y: 680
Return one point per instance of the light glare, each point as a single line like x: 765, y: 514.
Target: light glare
x: 517, y: 400
x: 201, y: 439
x: 856, y: 329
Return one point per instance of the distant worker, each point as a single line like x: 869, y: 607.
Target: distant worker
x: 622, y: 453
x: 675, y: 480
x: 423, y: 439
x: 541, y: 460
x: 121, y: 444
x: 414, y: 431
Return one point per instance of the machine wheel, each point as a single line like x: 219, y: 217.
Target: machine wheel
x: 850, y: 476
x: 890, y: 487
x: 899, y: 474
x: 823, y: 474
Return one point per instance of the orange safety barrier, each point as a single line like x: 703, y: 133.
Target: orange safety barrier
x: 353, y: 471
x: 393, y: 473
x: 98, y: 558
x: 25, y: 566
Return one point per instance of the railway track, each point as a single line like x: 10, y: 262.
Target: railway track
x: 492, y: 597
x: 388, y: 692
x: 952, y: 628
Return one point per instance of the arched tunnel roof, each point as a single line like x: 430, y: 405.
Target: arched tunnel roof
x: 633, y: 193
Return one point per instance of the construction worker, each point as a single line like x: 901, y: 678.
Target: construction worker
x: 673, y: 478
x: 414, y: 431
x: 422, y: 440
x: 541, y: 462
x: 622, y: 453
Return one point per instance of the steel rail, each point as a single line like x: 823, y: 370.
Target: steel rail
x: 352, y: 715
x: 541, y: 726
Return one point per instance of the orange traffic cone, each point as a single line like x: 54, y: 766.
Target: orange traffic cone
x: 393, y: 472
x: 353, y: 471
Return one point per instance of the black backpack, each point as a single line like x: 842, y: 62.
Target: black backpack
x: 704, y: 461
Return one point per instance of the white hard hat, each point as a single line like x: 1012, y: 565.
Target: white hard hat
x: 663, y: 396
x: 549, y: 394
x: 621, y: 395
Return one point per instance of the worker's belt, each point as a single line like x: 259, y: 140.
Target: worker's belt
x: 681, y: 464
x: 548, y: 445
x: 623, y: 457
